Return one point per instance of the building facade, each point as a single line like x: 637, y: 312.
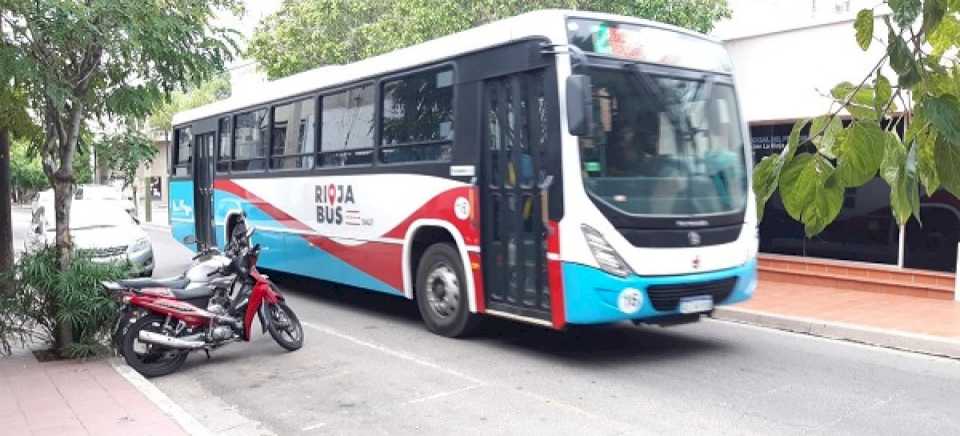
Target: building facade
x: 788, y: 54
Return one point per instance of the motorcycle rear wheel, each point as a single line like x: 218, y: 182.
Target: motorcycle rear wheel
x: 150, y: 360
x: 284, y: 326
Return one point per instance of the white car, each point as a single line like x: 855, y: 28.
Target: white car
x: 86, y: 192
x: 101, y: 229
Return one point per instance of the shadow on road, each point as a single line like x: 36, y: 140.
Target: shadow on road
x: 612, y: 344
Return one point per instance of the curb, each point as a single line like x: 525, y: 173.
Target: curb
x: 918, y: 343
x: 186, y: 421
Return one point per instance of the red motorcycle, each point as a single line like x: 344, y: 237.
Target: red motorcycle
x: 211, y: 305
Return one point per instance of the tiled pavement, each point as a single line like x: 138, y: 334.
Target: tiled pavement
x: 917, y: 315
x: 74, y: 398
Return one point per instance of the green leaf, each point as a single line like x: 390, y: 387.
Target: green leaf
x: 948, y: 161
x: 766, y: 176
x: 824, y: 132
x: 944, y: 36
x: 882, y: 94
x: 905, y: 12
x: 926, y: 143
x: 793, y: 142
x: 859, y: 103
x: 825, y: 206
x: 864, y: 27
x: 797, y: 184
x: 901, y: 60
x: 944, y: 114
x: 893, y: 157
x: 861, y: 153
x: 933, y: 12
x: 900, y: 172
x: 810, y: 192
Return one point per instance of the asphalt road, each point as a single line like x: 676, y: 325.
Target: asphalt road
x: 369, y: 367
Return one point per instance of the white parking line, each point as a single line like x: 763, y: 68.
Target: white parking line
x: 476, y: 382
x: 392, y: 352
x: 443, y: 394
x: 313, y: 427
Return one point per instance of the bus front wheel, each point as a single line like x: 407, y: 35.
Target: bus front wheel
x: 441, y: 292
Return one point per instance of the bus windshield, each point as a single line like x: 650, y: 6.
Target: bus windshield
x: 664, y: 145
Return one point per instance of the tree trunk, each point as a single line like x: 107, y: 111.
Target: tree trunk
x: 6, y: 206
x: 62, y: 199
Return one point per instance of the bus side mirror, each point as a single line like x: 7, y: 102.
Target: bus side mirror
x: 579, y: 105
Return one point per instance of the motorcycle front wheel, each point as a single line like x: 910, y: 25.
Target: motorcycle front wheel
x: 284, y: 326
x: 150, y: 360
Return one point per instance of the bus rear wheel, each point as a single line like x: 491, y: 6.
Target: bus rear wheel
x: 441, y: 292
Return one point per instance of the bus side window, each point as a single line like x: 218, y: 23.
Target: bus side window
x: 346, y: 128
x: 249, y: 141
x: 418, y: 117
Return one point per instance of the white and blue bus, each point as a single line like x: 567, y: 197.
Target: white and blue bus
x: 557, y: 167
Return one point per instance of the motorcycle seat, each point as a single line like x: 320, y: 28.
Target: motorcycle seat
x: 172, y: 283
x: 201, y: 291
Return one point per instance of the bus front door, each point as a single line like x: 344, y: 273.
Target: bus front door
x: 203, y: 189
x: 513, y: 171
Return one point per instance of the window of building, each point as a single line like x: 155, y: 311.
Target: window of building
x: 225, y: 146
x: 250, y: 141
x: 346, y: 130
x: 864, y: 231
x: 293, y: 139
x: 183, y: 152
x: 418, y: 117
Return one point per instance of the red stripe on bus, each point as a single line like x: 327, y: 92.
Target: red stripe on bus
x: 555, y: 278
x: 379, y: 260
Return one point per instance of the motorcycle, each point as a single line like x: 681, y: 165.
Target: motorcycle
x: 213, y: 304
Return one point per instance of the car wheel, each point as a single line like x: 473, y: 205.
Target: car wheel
x: 441, y: 292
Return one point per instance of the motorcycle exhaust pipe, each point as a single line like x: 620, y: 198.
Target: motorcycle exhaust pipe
x: 169, y: 341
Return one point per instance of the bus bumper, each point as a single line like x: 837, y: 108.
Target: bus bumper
x: 593, y: 296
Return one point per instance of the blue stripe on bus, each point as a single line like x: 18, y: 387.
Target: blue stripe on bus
x: 591, y: 294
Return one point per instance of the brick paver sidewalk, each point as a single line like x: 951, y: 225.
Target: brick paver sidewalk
x: 914, y: 323
x: 918, y: 315
x: 74, y: 398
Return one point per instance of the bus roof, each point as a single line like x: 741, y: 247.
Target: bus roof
x: 544, y: 23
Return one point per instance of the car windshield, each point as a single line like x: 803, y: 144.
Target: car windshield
x: 664, y: 145
x: 87, y: 214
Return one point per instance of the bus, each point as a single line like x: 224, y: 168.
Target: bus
x: 555, y: 168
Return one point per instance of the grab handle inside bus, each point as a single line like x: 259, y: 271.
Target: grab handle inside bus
x: 579, y: 105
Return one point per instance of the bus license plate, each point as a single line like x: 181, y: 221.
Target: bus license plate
x: 696, y: 304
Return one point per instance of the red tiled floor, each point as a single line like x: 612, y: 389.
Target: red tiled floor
x: 68, y: 398
x: 872, y: 309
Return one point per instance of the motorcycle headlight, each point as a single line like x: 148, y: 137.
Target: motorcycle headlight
x: 140, y: 245
x: 606, y: 256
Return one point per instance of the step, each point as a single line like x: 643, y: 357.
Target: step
x: 859, y: 276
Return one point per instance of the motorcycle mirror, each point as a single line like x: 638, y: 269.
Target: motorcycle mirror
x: 189, y: 239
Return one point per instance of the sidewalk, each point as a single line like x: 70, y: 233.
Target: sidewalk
x: 918, y: 324
x: 74, y: 398
x: 158, y: 216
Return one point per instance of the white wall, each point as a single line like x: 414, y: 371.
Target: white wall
x: 788, y: 54
x: 785, y: 75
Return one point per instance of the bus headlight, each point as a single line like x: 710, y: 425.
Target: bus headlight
x: 607, y: 258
